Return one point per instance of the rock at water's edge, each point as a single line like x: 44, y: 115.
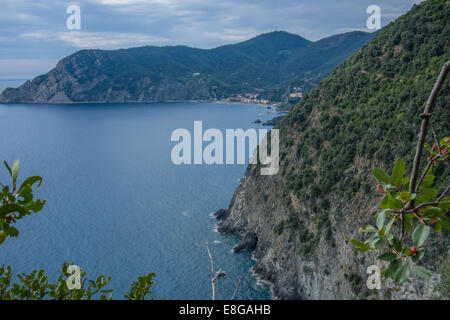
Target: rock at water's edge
x: 222, y: 214
x: 247, y: 244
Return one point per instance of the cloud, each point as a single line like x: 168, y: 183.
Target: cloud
x: 98, y: 40
x: 25, y: 68
x: 131, y: 2
x: 37, y: 29
x: 229, y: 35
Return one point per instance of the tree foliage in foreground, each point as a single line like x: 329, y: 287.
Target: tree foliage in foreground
x: 16, y: 202
x: 410, y: 206
x: 427, y: 215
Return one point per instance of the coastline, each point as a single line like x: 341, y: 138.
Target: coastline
x: 271, y: 105
x: 262, y: 281
x: 221, y: 215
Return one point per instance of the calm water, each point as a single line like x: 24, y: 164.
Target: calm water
x: 116, y: 203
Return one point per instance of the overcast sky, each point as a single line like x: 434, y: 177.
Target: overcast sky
x: 34, y: 36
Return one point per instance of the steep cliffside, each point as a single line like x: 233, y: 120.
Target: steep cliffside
x: 82, y: 78
x: 364, y: 115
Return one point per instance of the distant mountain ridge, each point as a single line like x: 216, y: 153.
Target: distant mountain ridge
x: 267, y: 65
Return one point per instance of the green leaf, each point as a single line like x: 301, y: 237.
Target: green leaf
x: 381, y: 218
x: 389, y: 256
x: 444, y: 141
x: 422, y: 272
x: 361, y: 246
x: 403, y: 196
x: 15, y: 171
x: 429, y: 194
x: 30, y: 181
x: 382, y: 176
x: 407, y: 224
x: 372, y: 240
x: 385, y: 203
x: 402, y: 274
x: 428, y: 179
x: 392, y: 270
x: 389, y: 202
x: 368, y: 228
x: 380, y: 243
x: 397, y: 173
x: 445, y: 204
x: 398, y: 245
x: 26, y: 193
x: 11, y: 208
x: 420, y: 234
x: 406, y: 252
x: 35, y: 206
x: 8, y: 167
x: 405, y: 183
x: 432, y: 212
x: 389, y: 226
x: 2, y: 237
x: 419, y: 255
x: 9, y: 230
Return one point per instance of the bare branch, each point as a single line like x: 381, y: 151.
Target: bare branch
x: 402, y: 232
x: 435, y: 203
x: 237, y: 288
x: 426, y: 171
x: 419, y: 218
x: 213, y: 276
x: 443, y: 193
x: 435, y: 139
x: 423, y: 130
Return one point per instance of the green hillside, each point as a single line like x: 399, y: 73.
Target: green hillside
x: 182, y: 73
x: 368, y: 111
x: 364, y: 115
x: 370, y: 104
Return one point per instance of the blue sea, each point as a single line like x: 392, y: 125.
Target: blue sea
x: 117, y: 205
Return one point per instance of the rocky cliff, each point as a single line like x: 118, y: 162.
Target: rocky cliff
x: 366, y: 114
x: 74, y: 80
x: 309, y: 262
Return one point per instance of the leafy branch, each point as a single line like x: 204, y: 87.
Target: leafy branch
x: 35, y: 286
x: 17, y: 203
x: 410, y: 202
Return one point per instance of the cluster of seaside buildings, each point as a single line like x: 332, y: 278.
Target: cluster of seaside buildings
x: 248, y: 98
x: 253, y: 97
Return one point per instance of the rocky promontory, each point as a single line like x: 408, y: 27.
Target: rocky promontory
x: 179, y: 73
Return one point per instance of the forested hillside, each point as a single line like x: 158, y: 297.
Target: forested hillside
x: 261, y: 66
x: 364, y: 115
